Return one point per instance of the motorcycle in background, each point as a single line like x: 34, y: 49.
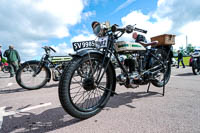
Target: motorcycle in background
x: 35, y: 74
x: 196, y: 63
x: 89, y: 80
x: 5, y: 67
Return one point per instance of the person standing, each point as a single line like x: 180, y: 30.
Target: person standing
x: 1, y: 63
x: 13, y: 59
x: 180, y: 59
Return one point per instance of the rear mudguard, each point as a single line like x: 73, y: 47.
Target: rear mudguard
x: 169, y: 51
x: 86, y: 52
x: 37, y: 62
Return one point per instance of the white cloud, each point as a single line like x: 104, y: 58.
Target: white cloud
x: 160, y: 26
x: 171, y: 16
x: 191, y: 30
x: 83, y: 37
x: 62, y: 49
x: 29, y: 22
x: 88, y: 14
x: 125, y: 4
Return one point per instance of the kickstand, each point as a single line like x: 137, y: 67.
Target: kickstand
x: 148, y: 87
x: 164, y: 88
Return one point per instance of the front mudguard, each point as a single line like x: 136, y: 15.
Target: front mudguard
x: 195, y: 63
x: 86, y: 52
x: 43, y: 65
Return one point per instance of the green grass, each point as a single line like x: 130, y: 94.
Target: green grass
x: 185, y: 61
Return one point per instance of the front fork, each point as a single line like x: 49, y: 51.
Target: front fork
x: 38, y: 69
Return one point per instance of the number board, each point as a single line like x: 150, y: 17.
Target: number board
x: 102, y: 42
x: 83, y: 45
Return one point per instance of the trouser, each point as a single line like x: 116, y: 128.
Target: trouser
x: 13, y: 67
x: 180, y: 60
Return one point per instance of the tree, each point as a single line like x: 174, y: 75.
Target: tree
x: 190, y: 48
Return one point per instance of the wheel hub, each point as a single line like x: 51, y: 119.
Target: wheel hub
x: 88, y: 84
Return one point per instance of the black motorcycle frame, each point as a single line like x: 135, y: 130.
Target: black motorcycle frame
x: 110, y: 50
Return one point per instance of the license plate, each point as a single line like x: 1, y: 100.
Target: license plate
x: 83, y: 45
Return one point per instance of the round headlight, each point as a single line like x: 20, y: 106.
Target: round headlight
x: 97, y: 29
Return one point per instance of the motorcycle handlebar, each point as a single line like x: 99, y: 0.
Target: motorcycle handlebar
x: 140, y: 30
x: 53, y: 49
x: 128, y: 29
x: 49, y: 48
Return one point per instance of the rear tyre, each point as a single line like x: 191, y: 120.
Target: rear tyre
x: 163, y: 76
x: 27, y: 79
x: 79, y: 93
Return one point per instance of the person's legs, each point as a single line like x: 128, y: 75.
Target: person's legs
x: 16, y: 66
x: 11, y: 69
x: 178, y: 63
x: 182, y: 64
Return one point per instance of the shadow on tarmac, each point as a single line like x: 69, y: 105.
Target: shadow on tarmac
x: 7, y: 91
x: 48, y: 120
x: 128, y: 97
x: 56, y: 118
x: 51, y: 85
x: 185, y: 74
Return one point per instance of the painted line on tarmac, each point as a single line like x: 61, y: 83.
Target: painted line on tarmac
x: 9, y: 84
x: 8, y: 113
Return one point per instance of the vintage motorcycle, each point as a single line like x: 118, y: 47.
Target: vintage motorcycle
x: 35, y: 74
x: 196, y: 63
x: 89, y: 80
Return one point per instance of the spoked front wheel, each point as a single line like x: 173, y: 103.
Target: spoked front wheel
x: 80, y: 92
x: 29, y: 78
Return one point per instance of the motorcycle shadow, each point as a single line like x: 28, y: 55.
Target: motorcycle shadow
x: 9, y: 90
x: 128, y: 97
x: 49, y: 120
x: 185, y: 74
x: 51, y: 85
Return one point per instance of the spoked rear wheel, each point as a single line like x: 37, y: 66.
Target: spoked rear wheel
x: 27, y: 78
x: 163, y: 76
x: 79, y: 92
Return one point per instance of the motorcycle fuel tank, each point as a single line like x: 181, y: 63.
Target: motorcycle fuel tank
x: 123, y: 46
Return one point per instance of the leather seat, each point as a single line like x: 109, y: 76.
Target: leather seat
x: 149, y: 44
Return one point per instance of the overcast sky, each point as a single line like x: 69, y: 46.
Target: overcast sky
x: 31, y: 24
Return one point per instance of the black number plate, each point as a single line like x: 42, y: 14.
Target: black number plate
x: 84, y: 44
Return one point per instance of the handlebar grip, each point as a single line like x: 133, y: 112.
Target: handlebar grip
x: 140, y: 30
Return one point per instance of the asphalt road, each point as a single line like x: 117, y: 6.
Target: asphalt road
x: 132, y: 111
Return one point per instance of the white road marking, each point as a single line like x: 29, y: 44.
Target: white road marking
x: 9, y: 84
x: 8, y: 113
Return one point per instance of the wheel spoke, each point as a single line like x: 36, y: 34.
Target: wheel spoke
x: 84, y: 93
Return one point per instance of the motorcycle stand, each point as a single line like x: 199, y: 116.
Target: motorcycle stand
x: 150, y: 85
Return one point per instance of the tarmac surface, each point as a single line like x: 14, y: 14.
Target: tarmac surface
x: 132, y: 111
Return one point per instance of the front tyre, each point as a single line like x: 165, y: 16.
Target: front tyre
x: 80, y: 94
x: 195, y: 68
x: 27, y: 78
